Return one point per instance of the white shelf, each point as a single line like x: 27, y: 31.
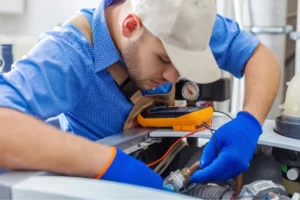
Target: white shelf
x: 12, y: 6
x: 269, y: 137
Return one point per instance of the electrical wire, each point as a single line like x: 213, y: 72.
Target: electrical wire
x: 171, y: 159
x: 168, y: 157
x: 213, y: 130
x: 224, y: 114
x: 212, y: 135
x: 187, y: 135
x: 205, y: 126
x: 166, y: 162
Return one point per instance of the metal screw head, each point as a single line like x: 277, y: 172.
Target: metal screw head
x: 170, y: 180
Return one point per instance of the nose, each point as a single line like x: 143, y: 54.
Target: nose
x: 171, y: 74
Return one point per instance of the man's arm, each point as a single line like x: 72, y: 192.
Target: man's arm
x: 239, y: 53
x: 262, y: 78
x: 27, y: 143
x: 48, y: 82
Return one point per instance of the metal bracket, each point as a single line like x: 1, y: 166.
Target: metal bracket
x: 142, y: 145
x: 131, y: 140
x: 274, y: 30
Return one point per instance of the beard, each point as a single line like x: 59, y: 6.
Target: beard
x: 133, y: 64
x: 130, y: 56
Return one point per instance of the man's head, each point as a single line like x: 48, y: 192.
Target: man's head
x: 162, y: 40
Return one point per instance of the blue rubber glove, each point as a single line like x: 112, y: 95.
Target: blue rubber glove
x: 126, y: 169
x: 235, y: 142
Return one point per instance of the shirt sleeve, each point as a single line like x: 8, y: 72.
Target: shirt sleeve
x: 52, y: 78
x: 231, y: 46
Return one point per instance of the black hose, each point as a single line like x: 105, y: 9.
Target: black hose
x: 208, y: 192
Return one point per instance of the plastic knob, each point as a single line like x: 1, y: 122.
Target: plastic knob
x: 293, y: 174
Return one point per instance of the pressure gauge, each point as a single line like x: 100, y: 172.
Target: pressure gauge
x: 190, y: 91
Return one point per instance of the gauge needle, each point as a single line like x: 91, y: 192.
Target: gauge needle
x: 190, y: 91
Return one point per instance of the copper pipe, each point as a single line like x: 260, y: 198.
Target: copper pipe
x: 193, y: 168
x: 239, y: 185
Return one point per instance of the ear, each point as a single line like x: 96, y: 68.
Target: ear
x: 130, y: 25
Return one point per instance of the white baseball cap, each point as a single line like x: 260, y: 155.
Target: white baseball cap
x: 185, y: 28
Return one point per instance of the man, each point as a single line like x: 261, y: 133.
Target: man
x: 67, y: 73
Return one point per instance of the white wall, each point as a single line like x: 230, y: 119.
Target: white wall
x: 41, y: 16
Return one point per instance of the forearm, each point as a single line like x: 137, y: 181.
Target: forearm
x: 262, y: 78
x: 26, y: 143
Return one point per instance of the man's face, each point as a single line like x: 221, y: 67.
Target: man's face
x: 147, y: 61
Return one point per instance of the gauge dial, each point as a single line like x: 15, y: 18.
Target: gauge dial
x: 190, y: 91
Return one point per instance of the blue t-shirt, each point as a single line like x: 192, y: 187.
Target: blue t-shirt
x: 64, y: 75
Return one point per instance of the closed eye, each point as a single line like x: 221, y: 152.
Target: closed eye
x: 164, y: 60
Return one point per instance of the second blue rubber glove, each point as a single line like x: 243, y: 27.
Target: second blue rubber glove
x: 125, y: 169
x: 235, y: 142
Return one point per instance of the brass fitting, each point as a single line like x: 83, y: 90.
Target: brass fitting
x: 187, y: 172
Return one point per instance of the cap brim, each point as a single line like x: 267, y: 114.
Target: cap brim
x: 196, y: 66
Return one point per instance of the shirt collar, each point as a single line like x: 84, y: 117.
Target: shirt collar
x: 105, y: 50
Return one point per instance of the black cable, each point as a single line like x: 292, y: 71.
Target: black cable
x: 212, y: 135
x: 212, y: 130
x: 224, y: 114
x: 208, y: 127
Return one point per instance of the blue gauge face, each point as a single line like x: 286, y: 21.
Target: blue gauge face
x: 190, y: 91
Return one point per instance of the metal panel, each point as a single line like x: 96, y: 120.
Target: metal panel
x: 9, y: 179
x: 80, y: 188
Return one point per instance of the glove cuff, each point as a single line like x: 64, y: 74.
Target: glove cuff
x: 249, y: 122
x: 111, y: 171
x: 108, y: 164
